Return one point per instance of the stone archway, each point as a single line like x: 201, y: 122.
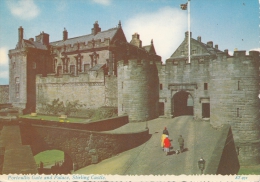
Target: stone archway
x: 54, y: 162
x: 182, y: 104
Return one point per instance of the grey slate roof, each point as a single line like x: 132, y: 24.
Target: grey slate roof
x: 210, y: 50
x: 110, y: 33
x: 33, y: 44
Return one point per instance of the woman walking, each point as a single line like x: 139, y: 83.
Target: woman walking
x: 167, y: 145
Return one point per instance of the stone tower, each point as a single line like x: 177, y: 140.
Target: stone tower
x: 25, y: 61
x: 138, y: 89
x: 234, y: 100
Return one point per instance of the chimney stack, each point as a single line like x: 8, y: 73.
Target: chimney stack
x: 199, y: 38
x: 210, y: 44
x: 65, y: 34
x: 20, y: 34
x: 96, y: 28
x: 216, y: 46
x: 226, y: 51
x: 136, y: 41
x: 187, y: 34
x: 42, y: 38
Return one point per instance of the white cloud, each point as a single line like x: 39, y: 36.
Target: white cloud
x: 103, y: 2
x: 4, y: 56
x: 23, y: 9
x: 155, y: 25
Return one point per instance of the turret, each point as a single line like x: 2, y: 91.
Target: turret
x: 138, y: 93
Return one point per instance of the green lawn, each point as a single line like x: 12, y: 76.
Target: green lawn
x: 49, y: 157
x: 247, y: 170
x: 54, y: 118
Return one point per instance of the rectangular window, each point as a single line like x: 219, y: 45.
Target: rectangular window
x: 122, y: 85
x: 205, y: 86
x: 193, y: 51
x: 237, y: 112
x: 161, y: 86
x: 238, y: 85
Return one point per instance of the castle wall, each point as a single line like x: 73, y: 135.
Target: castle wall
x: 88, y: 88
x: 138, y: 90
x: 232, y: 92
x: 4, y: 94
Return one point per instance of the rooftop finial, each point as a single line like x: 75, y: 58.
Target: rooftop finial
x: 119, y: 24
x: 152, y: 42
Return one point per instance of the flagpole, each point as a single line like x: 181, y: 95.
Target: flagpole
x: 189, y: 30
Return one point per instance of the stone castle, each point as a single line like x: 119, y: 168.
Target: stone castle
x: 103, y: 69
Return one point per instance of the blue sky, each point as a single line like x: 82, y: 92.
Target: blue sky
x: 229, y: 23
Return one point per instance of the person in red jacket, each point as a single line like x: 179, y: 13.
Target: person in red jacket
x: 167, y: 145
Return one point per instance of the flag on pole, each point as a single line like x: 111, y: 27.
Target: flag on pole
x: 184, y: 6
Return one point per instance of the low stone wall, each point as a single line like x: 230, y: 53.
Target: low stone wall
x: 101, y: 125
x: 83, y: 147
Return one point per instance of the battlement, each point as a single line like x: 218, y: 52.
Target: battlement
x: 241, y: 56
